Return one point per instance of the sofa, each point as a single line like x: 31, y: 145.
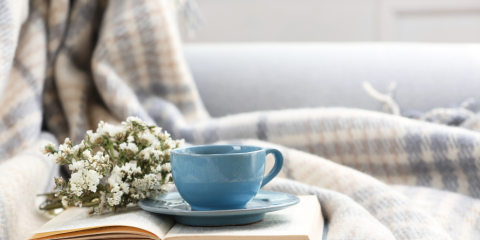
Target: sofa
x: 243, y: 77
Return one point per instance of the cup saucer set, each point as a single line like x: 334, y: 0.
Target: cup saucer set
x: 219, y: 185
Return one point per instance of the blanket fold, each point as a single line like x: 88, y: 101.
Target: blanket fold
x: 68, y: 64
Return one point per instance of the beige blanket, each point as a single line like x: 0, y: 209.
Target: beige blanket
x: 65, y: 65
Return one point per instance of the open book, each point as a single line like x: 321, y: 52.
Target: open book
x: 302, y: 221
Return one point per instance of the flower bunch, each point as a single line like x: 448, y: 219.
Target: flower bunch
x: 114, y: 166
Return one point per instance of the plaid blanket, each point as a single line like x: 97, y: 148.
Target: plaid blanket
x: 65, y: 65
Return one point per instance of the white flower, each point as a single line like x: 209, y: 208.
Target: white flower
x: 46, y: 148
x: 133, y: 147
x: 77, y: 165
x: 134, y: 119
x: 147, y: 137
x: 157, y: 154
x: 130, y: 146
x: 115, y: 199
x: 100, y: 127
x: 61, y: 147
x: 76, y: 148
x: 157, y: 146
x: 94, y: 137
x: 84, y: 180
x: 149, y: 182
x: 87, y: 154
x: 167, y: 167
x: 93, y: 179
x: 67, y: 142
x: 65, y: 148
x: 166, y: 152
x: 116, y: 131
x: 90, y: 162
x: 116, y: 176
x: 166, y: 135
x: 117, y: 185
x: 131, y: 168
x: 123, y: 146
x: 68, y: 150
x: 109, y: 129
x: 169, y: 144
x: 57, y: 157
x: 125, y: 187
x: 157, y: 131
x: 146, y: 153
x: 64, y: 201
x: 180, y: 143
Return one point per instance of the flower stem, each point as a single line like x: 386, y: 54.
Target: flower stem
x: 110, y: 147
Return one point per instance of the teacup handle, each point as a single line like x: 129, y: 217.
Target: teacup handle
x: 276, y: 168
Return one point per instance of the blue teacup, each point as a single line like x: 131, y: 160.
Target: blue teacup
x: 219, y: 177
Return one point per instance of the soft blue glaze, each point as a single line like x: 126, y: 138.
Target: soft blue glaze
x: 173, y: 204
x: 216, y: 177
x: 219, y: 220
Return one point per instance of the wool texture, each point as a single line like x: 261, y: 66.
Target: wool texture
x: 66, y: 65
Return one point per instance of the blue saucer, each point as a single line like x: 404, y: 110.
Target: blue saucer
x: 173, y: 204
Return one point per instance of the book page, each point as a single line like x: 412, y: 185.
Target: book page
x: 297, y: 222
x: 102, y: 233
x: 76, y: 219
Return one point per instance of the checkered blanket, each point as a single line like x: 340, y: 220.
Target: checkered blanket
x: 65, y: 65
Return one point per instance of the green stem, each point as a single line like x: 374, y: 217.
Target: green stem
x: 87, y: 201
x: 110, y: 146
x: 52, y: 206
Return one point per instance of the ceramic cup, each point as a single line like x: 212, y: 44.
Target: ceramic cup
x: 219, y: 177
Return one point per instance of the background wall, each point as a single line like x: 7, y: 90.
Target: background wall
x: 339, y: 20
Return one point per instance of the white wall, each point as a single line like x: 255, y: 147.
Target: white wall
x: 339, y: 20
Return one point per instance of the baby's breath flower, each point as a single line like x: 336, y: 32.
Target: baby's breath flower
x: 87, y: 154
x: 48, y: 148
x: 147, y: 138
x: 67, y: 142
x: 134, y: 119
x: 65, y: 148
x: 59, y: 183
x: 156, y: 131
x: 65, y: 201
x: 145, y: 153
x: 179, y: 143
x: 112, y: 153
x: 77, y: 165
x: 131, y: 147
x: 82, y: 144
x: 57, y: 157
x: 157, y: 154
x: 167, y: 167
x: 95, y: 138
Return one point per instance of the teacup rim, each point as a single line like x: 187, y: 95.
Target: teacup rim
x: 174, y: 151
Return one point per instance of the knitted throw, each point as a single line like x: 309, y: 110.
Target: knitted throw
x: 65, y: 65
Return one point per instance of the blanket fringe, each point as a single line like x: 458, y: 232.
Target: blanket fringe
x: 387, y: 99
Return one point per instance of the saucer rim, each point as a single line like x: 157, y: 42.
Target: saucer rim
x: 294, y: 200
